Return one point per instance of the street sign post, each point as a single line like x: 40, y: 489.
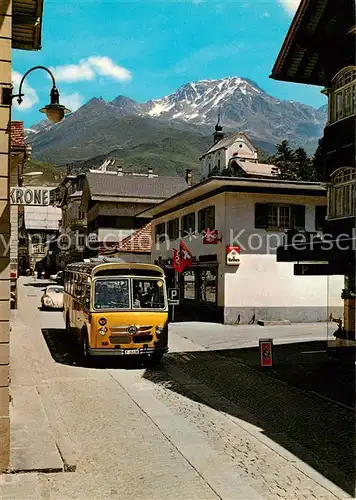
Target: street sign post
x: 173, y: 299
x: 266, y: 352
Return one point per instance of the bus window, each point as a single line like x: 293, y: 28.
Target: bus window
x: 148, y: 294
x: 112, y: 294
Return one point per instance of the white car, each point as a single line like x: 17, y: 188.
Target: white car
x: 55, y: 277
x: 52, y: 297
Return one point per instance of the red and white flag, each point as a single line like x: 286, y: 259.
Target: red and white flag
x: 182, y: 258
x: 186, y: 255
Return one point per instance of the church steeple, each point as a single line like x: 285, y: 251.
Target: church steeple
x: 218, y: 134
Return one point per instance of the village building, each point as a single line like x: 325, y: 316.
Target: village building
x: 20, y: 28
x: 233, y: 154
x: 319, y: 49
x: 20, y: 152
x: 113, y: 200
x: 134, y: 248
x: 73, y: 225
x: 38, y: 228
x: 243, y: 284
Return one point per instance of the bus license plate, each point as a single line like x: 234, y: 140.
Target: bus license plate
x: 132, y: 351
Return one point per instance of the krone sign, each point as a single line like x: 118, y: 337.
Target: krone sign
x: 29, y: 196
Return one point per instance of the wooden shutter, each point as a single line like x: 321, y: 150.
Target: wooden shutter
x: 201, y: 221
x: 211, y: 217
x: 261, y: 215
x: 320, y: 215
x: 298, y: 217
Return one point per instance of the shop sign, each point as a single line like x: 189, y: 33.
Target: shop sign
x: 30, y: 196
x: 232, y: 255
x: 210, y: 236
x: 266, y: 355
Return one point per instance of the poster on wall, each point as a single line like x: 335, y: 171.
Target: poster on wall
x: 232, y: 255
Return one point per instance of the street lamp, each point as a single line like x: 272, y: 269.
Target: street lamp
x: 55, y: 112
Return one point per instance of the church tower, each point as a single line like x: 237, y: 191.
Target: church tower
x: 218, y: 134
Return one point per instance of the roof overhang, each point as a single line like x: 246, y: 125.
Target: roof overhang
x: 220, y: 185
x: 318, y: 44
x: 126, y: 199
x: 27, y: 24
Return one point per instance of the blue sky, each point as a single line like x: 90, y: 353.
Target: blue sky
x: 146, y: 49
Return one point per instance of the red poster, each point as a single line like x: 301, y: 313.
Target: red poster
x: 266, y: 347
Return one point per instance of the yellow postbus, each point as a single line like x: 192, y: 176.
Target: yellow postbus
x: 117, y: 309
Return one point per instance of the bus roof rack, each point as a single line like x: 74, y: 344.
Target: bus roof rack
x: 105, y: 259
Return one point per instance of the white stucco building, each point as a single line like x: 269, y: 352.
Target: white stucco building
x: 234, y: 152
x: 252, y: 213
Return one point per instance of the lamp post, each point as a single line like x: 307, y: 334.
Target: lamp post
x: 54, y: 110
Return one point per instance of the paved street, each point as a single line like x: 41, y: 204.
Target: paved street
x: 204, y: 426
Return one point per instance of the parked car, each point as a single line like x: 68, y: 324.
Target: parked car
x: 58, y: 277
x: 52, y: 297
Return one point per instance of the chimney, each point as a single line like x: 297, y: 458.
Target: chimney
x: 188, y: 177
x: 119, y: 171
x: 150, y: 172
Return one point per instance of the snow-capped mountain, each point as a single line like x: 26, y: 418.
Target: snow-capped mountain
x: 100, y: 127
x: 243, y: 106
x: 199, y: 101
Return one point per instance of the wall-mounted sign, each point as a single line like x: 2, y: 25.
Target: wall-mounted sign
x: 30, y: 196
x: 232, y: 255
x: 173, y: 296
x: 210, y: 236
x: 266, y: 352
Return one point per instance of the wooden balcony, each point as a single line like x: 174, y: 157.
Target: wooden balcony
x: 338, y: 145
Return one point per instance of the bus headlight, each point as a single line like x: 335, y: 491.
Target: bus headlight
x: 159, y: 330
x: 103, y: 330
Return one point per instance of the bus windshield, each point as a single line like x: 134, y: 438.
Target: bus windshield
x: 146, y: 293
x: 112, y: 294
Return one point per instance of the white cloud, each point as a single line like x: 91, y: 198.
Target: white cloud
x: 73, y: 72
x: 88, y: 68
x: 72, y: 101
x: 29, y: 99
x: 290, y: 6
x: 106, y: 67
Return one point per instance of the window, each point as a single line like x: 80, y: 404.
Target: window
x: 274, y: 216
x: 173, y: 229
x: 206, y: 218
x: 341, y: 195
x: 342, y: 96
x: 320, y: 215
x: 207, y: 286
x: 219, y: 163
x: 160, y: 231
x: 78, y: 286
x: 188, y: 224
x: 148, y: 294
x: 81, y: 240
x: 112, y: 294
x: 189, y: 285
